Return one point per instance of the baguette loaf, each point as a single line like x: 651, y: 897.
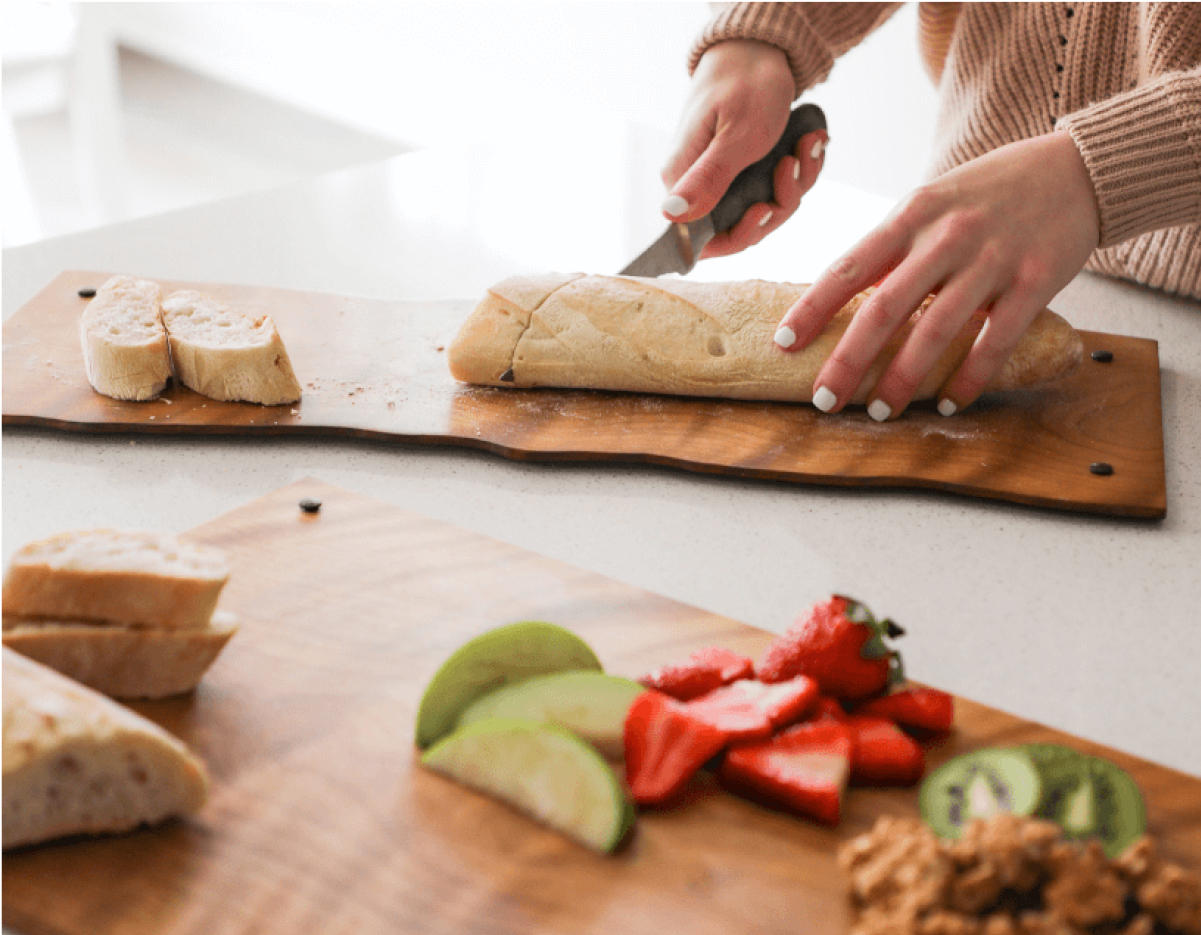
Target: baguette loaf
x: 125, y: 351
x: 136, y: 579
x: 77, y: 763
x: 123, y: 662
x: 695, y: 339
x: 222, y: 353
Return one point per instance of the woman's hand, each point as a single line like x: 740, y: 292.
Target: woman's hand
x: 1004, y: 232
x: 740, y: 100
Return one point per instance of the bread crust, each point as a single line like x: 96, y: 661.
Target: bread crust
x: 76, y: 762
x: 125, y: 351
x: 699, y: 339
x: 225, y: 354
x: 119, y: 661
x: 109, y: 576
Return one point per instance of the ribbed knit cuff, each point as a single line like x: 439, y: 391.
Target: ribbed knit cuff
x: 779, y: 24
x: 1143, y: 152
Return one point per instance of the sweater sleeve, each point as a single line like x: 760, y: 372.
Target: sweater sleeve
x: 812, y: 35
x: 1143, y: 153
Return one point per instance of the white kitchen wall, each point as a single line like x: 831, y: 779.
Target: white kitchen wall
x: 419, y: 74
x: 428, y: 72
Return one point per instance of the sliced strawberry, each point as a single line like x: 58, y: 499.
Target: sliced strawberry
x: 803, y: 768
x: 751, y: 710
x: 884, y: 755
x: 827, y: 709
x: 921, y: 708
x: 703, y: 671
x: 664, y: 747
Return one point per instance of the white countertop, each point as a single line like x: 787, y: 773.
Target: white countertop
x: 1084, y: 623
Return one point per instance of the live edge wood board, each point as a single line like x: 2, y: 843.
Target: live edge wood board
x: 321, y: 820
x: 377, y: 369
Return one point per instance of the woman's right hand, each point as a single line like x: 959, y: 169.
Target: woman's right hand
x: 739, y: 104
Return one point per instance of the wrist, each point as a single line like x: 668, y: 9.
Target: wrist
x: 750, y: 60
x: 1076, y: 177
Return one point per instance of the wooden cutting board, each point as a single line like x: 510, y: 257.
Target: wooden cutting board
x: 320, y: 820
x: 375, y: 369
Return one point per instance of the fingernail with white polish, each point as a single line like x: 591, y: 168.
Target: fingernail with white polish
x: 766, y: 218
x: 947, y: 408
x: 823, y: 399
x: 796, y: 170
x: 816, y: 152
x: 674, y: 205
x: 785, y: 336
x: 879, y: 410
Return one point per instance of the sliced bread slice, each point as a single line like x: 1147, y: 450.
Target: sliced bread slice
x: 76, y: 762
x: 124, y: 662
x: 125, y: 350
x: 225, y: 354
x: 137, y: 579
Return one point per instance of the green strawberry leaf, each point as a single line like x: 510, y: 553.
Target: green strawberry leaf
x: 874, y: 646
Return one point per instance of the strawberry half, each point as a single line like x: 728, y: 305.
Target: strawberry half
x: 925, y: 709
x: 883, y: 755
x: 827, y: 709
x: 664, y: 747
x: 803, y: 768
x: 839, y: 644
x: 751, y: 710
x: 699, y: 674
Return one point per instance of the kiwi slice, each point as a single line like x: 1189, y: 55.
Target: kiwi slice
x: 1088, y: 797
x: 978, y: 785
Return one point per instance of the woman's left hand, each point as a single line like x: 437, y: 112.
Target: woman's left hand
x: 1004, y: 232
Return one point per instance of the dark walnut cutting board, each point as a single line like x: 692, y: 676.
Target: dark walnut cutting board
x: 321, y: 821
x: 377, y: 369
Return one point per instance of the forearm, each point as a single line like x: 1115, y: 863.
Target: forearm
x: 812, y: 35
x: 1142, y: 149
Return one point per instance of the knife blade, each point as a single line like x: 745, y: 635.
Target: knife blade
x: 678, y: 248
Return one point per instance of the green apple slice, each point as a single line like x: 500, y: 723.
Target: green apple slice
x: 592, y: 705
x: 543, y: 770
x: 506, y: 654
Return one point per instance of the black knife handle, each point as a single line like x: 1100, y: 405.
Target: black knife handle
x: 754, y: 183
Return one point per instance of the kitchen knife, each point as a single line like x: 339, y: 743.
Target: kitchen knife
x: 676, y: 251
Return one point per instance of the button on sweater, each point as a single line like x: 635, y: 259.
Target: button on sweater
x: 1124, y: 79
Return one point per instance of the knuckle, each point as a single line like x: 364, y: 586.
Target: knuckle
x: 839, y: 368
x: 918, y: 206
x: 1033, y: 274
x: 991, y: 256
x: 881, y: 312
x: 715, y: 173
x: 968, y: 224
x: 846, y: 267
x: 935, y: 332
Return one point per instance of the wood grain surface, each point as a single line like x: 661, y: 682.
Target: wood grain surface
x: 321, y: 821
x: 376, y: 369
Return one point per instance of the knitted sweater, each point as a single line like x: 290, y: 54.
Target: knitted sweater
x: 1124, y: 79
